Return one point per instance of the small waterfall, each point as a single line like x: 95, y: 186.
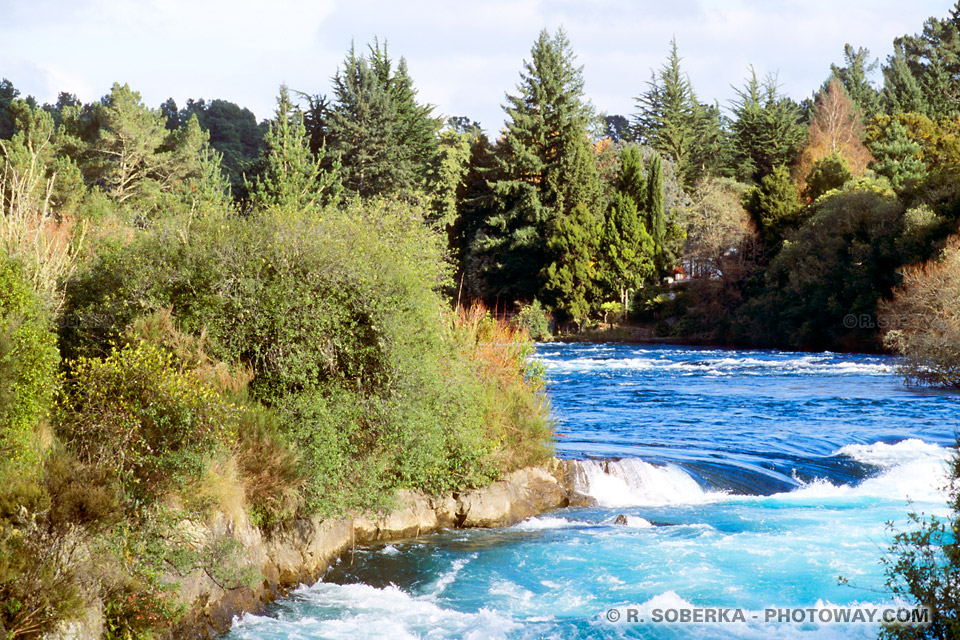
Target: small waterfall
x: 628, y: 482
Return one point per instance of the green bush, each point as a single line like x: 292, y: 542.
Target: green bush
x: 533, y: 318
x: 827, y: 174
x: 340, y: 319
x: 133, y: 413
x: 821, y: 290
x: 28, y: 368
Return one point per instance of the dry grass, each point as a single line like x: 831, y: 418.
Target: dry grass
x: 29, y: 228
x: 268, y: 469
x: 190, y: 353
x: 219, y: 490
x: 517, y: 412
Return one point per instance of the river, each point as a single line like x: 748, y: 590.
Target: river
x: 749, y: 481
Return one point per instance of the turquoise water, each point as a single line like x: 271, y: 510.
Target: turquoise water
x: 750, y: 480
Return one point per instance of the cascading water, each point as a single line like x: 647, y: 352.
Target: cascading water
x: 748, y: 480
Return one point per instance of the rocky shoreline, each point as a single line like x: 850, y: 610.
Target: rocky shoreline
x: 301, y: 552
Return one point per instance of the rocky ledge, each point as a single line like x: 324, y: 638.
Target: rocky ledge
x: 301, y: 552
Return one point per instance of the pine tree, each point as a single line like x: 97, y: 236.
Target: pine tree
x: 668, y: 111
x: 656, y: 216
x: 898, y: 157
x: 627, y: 249
x: 923, y: 74
x: 386, y: 140
x: 289, y: 175
x: 545, y: 168
x: 138, y: 162
x: 766, y: 128
x: 855, y: 77
x: 570, y: 277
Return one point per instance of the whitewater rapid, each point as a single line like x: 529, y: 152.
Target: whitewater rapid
x: 744, y: 480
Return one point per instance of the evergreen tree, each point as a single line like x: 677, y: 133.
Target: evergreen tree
x: 774, y: 206
x: 363, y: 131
x: 126, y: 144
x: 234, y: 133
x: 8, y: 93
x: 385, y: 139
x: 766, y: 128
x: 289, y: 174
x: 627, y: 249
x: 416, y: 128
x: 923, y: 74
x: 898, y: 157
x: 855, y: 77
x: 630, y: 180
x: 656, y: 216
x: 617, y: 128
x: 570, y: 277
x: 545, y: 168
x: 668, y: 111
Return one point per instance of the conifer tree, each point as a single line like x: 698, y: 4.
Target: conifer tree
x: 897, y: 155
x: 627, y: 250
x: 666, y: 119
x: 855, y: 77
x: 137, y: 161
x: 656, y: 216
x: 631, y: 182
x: 385, y: 139
x: 545, y: 168
x: 923, y: 74
x: 766, y: 128
x: 570, y: 277
x: 289, y: 174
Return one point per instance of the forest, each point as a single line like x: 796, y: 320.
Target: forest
x: 201, y: 312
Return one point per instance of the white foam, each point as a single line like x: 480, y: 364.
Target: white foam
x: 447, y: 578
x: 727, y: 364
x: 357, y: 611
x: 910, y: 470
x: 546, y: 522
x: 632, y: 482
x: 389, y: 550
x: 886, y: 455
x: 638, y: 523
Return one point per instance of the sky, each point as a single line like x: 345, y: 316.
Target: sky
x: 462, y: 56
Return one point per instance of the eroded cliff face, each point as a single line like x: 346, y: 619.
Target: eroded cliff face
x: 303, y: 550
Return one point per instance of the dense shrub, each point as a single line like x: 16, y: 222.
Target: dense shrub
x: 823, y: 286
x: 133, y: 413
x: 534, y: 320
x: 28, y: 365
x: 39, y: 580
x: 923, y: 319
x: 339, y: 320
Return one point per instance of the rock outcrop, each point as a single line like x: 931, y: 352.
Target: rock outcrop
x: 303, y: 550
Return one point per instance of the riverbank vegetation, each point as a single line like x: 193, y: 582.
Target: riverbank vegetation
x: 204, y: 314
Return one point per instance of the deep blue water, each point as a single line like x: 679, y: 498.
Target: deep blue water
x: 750, y: 479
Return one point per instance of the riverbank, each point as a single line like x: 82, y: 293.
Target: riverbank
x: 301, y: 552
